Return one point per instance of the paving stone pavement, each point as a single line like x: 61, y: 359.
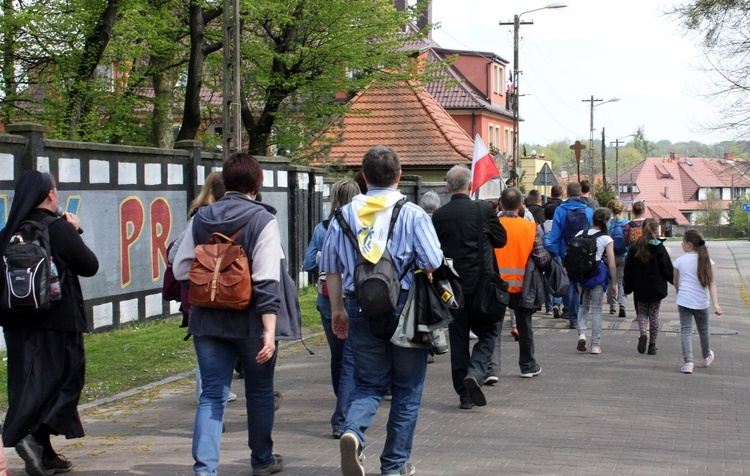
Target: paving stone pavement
x: 618, y: 413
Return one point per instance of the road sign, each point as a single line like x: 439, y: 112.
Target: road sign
x: 545, y: 176
x: 746, y: 207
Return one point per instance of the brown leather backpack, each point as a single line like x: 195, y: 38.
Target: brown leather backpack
x: 220, y: 275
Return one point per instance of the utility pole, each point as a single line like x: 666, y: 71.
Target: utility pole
x: 231, y: 134
x: 604, y: 163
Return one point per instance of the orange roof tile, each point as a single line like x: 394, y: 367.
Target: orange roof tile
x: 405, y: 118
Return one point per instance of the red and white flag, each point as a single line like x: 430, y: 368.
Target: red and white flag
x: 483, y: 168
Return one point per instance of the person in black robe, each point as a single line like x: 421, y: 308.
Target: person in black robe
x: 46, y: 359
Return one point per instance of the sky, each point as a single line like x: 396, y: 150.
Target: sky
x: 626, y: 49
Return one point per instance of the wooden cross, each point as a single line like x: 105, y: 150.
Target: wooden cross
x: 577, y: 148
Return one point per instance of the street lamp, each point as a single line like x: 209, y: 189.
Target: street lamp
x: 617, y: 163
x: 591, y: 132
x: 516, y: 25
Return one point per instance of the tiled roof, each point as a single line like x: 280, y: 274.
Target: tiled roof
x: 669, y: 185
x: 462, y: 95
x: 667, y: 211
x: 405, y: 118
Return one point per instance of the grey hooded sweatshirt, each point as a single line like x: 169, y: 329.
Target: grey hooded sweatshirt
x: 260, y: 238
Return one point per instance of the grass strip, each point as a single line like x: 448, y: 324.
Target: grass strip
x: 147, y: 352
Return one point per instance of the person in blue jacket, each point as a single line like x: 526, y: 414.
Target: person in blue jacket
x: 572, y: 216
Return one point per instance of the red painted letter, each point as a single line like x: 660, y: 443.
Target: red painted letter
x: 161, y: 226
x: 132, y: 217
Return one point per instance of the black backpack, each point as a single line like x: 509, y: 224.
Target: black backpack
x: 29, y: 276
x: 376, y: 285
x: 580, y: 256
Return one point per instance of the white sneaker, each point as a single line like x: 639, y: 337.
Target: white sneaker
x: 351, y: 455
x: 707, y: 361
x: 232, y: 397
x: 472, y: 336
x: 687, y: 368
x: 596, y: 349
x: 581, y: 343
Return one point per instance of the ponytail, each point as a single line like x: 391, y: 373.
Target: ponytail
x: 705, y: 271
x: 649, y: 230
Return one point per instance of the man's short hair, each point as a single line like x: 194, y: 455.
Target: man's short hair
x: 638, y: 208
x: 242, y: 173
x: 381, y: 166
x: 511, y: 199
x: 430, y: 202
x: 556, y: 191
x: 458, y: 178
x: 585, y: 186
x: 574, y: 189
x: 534, y: 197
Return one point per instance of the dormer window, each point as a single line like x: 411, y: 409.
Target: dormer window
x: 498, y: 79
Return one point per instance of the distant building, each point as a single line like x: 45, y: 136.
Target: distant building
x: 674, y: 189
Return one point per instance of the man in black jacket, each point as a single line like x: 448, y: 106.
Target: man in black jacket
x: 469, y: 248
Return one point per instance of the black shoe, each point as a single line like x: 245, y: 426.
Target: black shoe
x: 622, y: 313
x: 612, y: 311
x: 573, y: 325
x: 57, y: 464
x: 466, y: 406
x: 642, y: 344
x: 475, y: 391
x: 652, y: 349
x: 31, y: 453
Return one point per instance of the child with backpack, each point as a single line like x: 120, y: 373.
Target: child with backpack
x: 617, y: 232
x: 553, y: 304
x: 696, y: 290
x: 648, y: 269
x: 589, y: 249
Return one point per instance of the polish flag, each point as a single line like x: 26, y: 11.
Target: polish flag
x: 483, y: 168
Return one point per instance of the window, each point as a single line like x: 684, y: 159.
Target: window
x: 508, y: 141
x: 494, y: 139
x: 498, y: 79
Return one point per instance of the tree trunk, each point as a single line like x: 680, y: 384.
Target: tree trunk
x: 191, y: 113
x: 79, y: 100
x: 162, y: 134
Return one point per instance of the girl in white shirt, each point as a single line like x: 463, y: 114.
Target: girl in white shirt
x: 696, y: 290
x: 592, y: 297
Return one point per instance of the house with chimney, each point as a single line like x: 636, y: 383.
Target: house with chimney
x: 676, y: 190
x: 431, y: 126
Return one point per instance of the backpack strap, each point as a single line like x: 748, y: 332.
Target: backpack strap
x: 338, y: 215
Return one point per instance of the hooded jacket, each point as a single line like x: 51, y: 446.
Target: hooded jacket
x: 558, y: 223
x: 648, y: 281
x: 271, y: 283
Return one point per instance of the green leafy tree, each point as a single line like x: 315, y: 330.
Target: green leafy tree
x: 604, y: 192
x: 711, y: 211
x: 298, y: 55
x: 645, y: 147
x: 737, y: 218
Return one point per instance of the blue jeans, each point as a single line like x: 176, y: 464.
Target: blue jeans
x: 702, y: 322
x: 593, y: 299
x: 379, y: 366
x: 572, y: 302
x: 342, y: 366
x: 216, y: 357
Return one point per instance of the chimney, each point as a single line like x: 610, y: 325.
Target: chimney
x: 666, y: 192
x: 728, y: 156
x: 425, y: 17
x: 425, y: 8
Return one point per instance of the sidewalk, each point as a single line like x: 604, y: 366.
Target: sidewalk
x: 615, y: 413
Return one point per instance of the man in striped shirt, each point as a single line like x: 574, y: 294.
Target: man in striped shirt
x: 379, y: 365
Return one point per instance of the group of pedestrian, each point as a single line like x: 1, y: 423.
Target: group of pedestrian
x: 630, y: 259
x: 513, y: 245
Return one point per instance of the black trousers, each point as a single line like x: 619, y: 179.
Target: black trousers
x: 466, y: 362
x: 526, y: 360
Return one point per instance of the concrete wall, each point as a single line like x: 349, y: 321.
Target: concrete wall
x: 132, y: 202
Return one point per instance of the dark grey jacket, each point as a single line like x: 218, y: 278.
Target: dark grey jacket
x: 273, y: 290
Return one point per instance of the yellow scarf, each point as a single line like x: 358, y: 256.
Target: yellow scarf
x: 372, y: 216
